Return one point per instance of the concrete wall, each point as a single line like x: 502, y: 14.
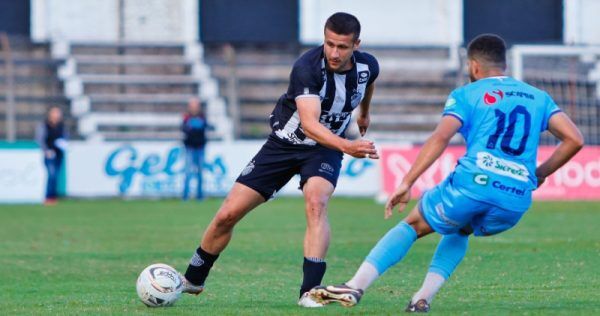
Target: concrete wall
x: 385, y: 22
x: 161, y: 20
x: 582, y: 25
x: 399, y: 22
x: 99, y: 20
x: 79, y: 20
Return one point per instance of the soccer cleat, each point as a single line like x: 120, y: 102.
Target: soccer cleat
x: 342, y: 294
x: 307, y: 301
x: 188, y: 287
x: 421, y: 306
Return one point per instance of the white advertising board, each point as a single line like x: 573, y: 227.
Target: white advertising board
x: 22, y: 176
x: 155, y: 169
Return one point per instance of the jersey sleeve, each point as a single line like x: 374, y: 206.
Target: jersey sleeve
x: 304, y: 81
x: 549, y: 110
x: 456, y: 106
x: 374, y: 69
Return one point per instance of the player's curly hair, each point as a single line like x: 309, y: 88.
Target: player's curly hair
x: 489, y: 49
x: 344, y: 24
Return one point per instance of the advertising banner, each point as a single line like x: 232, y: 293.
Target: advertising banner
x: 156, y: 169
x: 579, y: 179
x: 22, y: 176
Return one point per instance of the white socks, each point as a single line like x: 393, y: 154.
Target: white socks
x: 366, y: 274
x: 431, y: 285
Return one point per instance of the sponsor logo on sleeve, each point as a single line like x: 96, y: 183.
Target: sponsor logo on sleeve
x: 450, y: 103
x: 363, y: 76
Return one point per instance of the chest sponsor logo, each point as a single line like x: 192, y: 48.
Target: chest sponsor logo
x: 503, y: 167
x: 328, y: 117
x: 363, y: 76
x: 334, y: 121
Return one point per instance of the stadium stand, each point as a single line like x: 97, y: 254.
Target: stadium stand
x: 137, y: 91
x: 410, y: 91
x: 35, y: 85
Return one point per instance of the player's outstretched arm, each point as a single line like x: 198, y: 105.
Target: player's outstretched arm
x: 561, y: 126
x: 364, y: 119
x: 309, y: 109
x: 432, y: 149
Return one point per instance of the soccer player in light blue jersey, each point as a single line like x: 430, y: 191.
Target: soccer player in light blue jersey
x: 501, y: 120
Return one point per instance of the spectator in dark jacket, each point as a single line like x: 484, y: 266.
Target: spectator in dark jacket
x: 51, y: 136
x: 194, y: 128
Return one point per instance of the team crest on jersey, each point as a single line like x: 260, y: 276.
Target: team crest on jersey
x: 355, y: 98
x: 495, y: 96
x: 363, y: 76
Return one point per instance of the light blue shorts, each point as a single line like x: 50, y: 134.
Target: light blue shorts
x: 448, y: 211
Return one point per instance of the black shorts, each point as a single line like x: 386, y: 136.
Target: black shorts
x: 277, y: 162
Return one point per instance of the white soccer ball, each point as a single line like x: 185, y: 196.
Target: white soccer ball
x: 159, y: 285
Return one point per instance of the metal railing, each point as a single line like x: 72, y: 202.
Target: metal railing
x: 567, y: 73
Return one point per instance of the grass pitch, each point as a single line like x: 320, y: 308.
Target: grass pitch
x: 83, y: 257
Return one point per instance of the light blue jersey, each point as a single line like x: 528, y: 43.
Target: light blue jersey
x: 502, y: 119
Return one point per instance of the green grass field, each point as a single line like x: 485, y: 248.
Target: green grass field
x: 84, y: 257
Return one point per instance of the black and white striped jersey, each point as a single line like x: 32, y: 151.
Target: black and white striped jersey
x: 340, y: 93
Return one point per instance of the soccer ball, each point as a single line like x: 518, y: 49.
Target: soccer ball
x: 159, y: 285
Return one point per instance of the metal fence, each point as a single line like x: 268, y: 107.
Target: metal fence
x: 571, y: 75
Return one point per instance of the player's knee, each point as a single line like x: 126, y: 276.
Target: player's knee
x: 316, y: 206
x: 225, y: 220
x: 419, y: 225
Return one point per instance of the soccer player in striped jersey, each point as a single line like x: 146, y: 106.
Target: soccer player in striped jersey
x: 308, y: 138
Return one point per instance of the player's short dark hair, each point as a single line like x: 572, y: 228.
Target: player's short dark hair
x: 489, y: 49
x: 344, y: 24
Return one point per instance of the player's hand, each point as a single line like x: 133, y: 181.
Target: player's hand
x: 49, y: 154
x: 540, y: 180
x: 401, y: 198
x: 362, y: 148
x: 363, y: 122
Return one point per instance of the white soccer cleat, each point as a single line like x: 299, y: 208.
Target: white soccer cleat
x: 307, y: 301
x: 188, y: 287
x: 342, y: 294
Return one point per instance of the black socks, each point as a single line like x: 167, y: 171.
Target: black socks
x: 313, y: 274
x: 199, y: 266
x: 202, y: 262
